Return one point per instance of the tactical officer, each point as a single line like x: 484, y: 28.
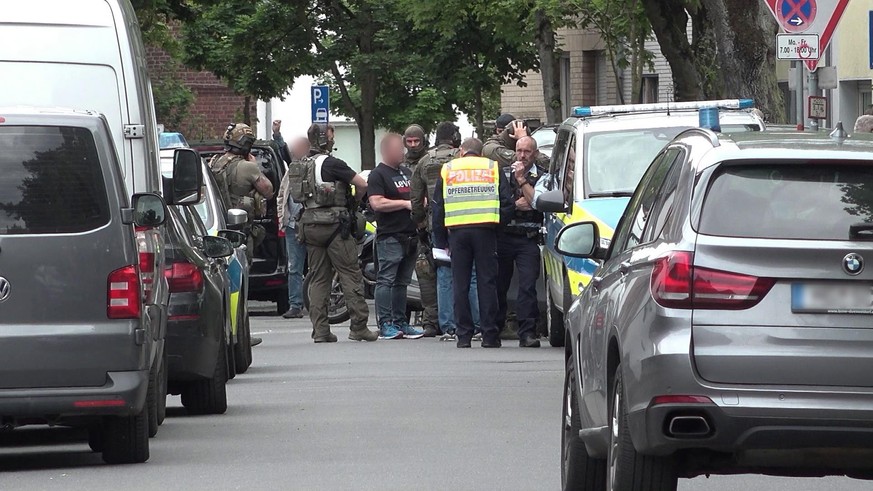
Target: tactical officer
x: 471, y: 199
x: 501, y: 146
x: 518, y: 245
x: 424, y: 179
x: 502, y: 122
x: 326, y: 228
x: 416, y: 143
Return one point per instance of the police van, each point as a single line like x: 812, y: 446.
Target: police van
x: 599, y: 157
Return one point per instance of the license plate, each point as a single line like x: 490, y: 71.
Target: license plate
x: 832, y: 298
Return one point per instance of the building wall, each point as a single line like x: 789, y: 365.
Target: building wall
x: 215, y: 105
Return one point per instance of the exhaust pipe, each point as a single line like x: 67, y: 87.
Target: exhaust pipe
x: 688, y: 427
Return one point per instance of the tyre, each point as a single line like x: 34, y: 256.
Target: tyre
x: 554, y: 320
x: 242, y: 350
x: 126, y: 438
x: 209, y: 396
x: 152, y: 400
x: 95, y: 438
x: 629, y: 470
x: 579, y: 472
x: 231, y: 362
x: 337, y: 310
x: 164, y: 382
x: 282, y: 304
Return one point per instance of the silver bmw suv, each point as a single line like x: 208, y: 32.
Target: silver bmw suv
x: 729, y: 327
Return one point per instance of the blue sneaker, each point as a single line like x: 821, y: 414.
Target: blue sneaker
x: 410, y: 332
x: 389, y: 331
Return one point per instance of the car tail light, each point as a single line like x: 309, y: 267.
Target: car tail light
x: 146, y: 248
x: 99, y: 403
x: 678, y: 284
x: 124, y: 296
x: 184, y: 277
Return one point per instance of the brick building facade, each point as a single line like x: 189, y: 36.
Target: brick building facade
x: 215, y: 105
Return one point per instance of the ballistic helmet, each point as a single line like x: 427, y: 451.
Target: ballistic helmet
x: 239, y: 138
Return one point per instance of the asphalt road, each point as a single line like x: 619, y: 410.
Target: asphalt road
x: 390, y: 415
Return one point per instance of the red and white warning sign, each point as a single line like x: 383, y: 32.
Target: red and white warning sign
x: 807, y: 17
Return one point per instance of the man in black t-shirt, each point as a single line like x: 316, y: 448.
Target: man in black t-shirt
x: 325, y: 229
x: 396, y: 239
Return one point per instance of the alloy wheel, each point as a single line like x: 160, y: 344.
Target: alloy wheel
x: 614, y: 439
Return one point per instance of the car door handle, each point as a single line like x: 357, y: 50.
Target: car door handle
x: 596, y: 282
x: 624, y: 267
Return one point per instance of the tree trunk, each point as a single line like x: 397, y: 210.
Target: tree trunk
x: 479, y: 112
x: 669, y: 22
x: 550, y: 67
x: 247, y: 110
x: 746, y: 54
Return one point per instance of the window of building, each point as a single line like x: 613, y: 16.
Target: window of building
x: 650, y: 89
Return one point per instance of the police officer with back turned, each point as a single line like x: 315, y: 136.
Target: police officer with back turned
x: 323, y: 184
x: 472, y: 198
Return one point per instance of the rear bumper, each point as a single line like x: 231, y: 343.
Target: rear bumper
x: 58, y: 403
x: 191, y: 350
x: 265, y: 286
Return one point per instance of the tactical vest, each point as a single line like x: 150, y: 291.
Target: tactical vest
x: 527, y: 221
x: 470, y: 192
x: 436, y: 159
x: 323, y: 202
x: 224, y: 169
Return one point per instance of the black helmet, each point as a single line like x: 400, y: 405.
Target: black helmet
x: 239, y: 138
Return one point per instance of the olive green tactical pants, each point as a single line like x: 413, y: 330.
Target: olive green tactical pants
x: 427, y: 286
x: 326, y: 256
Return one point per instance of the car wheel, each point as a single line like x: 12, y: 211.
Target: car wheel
x: 242, y: 356
x: 337, y: 310
x: 152, y: 400
x: 579, y: 472
x: 282, y: 304
x: 126, y: 438
x: 629, y: 470
x: 209, y: 396
x: 164, y: 379
x: 231, y: 362
x: 95, y: 438
x: 554, y: 320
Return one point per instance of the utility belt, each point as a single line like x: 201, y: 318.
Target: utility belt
x: 409, y: 242
x: 529, y: 232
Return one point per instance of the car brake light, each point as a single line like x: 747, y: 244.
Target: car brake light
x: 677, y: 283
x: 679, y: 399
x: 99, y: 403
x: 124, y: 298
x: 184, y: 277
x: 145, y: 244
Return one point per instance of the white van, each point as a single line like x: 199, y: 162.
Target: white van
x: 85, y: 54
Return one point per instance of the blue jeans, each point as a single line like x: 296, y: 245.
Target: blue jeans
x: 397, y: 258
x: 445, y: 292
x: 296, y: 262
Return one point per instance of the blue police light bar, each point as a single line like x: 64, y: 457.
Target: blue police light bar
x: 583, y: 111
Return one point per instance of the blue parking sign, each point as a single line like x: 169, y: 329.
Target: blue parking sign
x: 320, y: 104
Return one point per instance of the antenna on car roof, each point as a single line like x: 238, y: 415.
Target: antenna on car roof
x: 668, y: 108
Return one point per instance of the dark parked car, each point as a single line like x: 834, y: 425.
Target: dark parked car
x: 728, y: 327
x: 199, y: 337
x: 268, y: 279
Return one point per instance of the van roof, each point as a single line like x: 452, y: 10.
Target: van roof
x: 83, y: 13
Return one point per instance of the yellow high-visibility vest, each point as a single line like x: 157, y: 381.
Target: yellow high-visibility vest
x: 470, y: 191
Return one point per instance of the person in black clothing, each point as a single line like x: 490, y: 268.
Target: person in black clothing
x: 473, y: 245
x: 518, y: 245
x: 396, y: 239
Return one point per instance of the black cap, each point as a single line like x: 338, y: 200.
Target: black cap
x: 503, y: 121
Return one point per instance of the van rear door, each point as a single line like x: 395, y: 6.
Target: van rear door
x: 61, y: 238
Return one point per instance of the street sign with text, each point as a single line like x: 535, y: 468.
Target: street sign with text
x: 320, y: 104
x: 817, y: 107
x: 797, y: 47
x: 809, y: 17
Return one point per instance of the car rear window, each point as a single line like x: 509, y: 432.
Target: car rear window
x: 51, y: 181
x: 815, y: 201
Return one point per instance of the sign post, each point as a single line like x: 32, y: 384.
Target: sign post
x: 320, y: 104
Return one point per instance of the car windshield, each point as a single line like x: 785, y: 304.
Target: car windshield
x: 790, y: 201
x: 615, y: 161
x: 172, y: 140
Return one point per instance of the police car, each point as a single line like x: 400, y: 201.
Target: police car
x: 599, y: 157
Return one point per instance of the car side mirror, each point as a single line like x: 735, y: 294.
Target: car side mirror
x: 581, y: 239
x: 216, y: 247
x: 187, y: 177
x: 237, y: 219
x: 149, y: 210
x: 236, y: 239
x: 551, y: 202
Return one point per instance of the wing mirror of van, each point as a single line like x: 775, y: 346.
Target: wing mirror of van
x: 551, y: 202
x: 187, y: 177
x: 579, y: 239
x: 148, y: 210
x: 216, y: 247
x: 237, y: 219
x: 237, y: 239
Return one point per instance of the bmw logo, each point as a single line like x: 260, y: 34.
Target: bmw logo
x: 5, y: 288
x: 853, y: 264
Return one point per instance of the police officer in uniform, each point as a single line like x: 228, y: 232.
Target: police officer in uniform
x: 471, y: 199
x: 415, y: 142
x: 518, y: 245
x: 326, y: 227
